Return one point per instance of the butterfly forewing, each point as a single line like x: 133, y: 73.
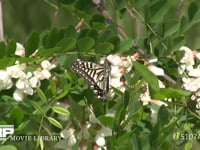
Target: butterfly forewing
x: 97, y: 75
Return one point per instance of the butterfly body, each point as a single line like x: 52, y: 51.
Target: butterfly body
x: 97, y: 75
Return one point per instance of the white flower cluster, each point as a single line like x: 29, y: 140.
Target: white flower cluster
x: 191, y: 71
x: 119, y: 64
x: 25, y: 82
x: 69, y: 139
x: 102, y: 132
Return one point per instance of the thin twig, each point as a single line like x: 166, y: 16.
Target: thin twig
x: 101, y: 7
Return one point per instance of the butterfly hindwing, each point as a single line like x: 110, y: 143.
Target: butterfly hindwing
x: 97, y: 75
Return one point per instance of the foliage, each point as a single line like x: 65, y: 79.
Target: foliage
x: 64, y: 103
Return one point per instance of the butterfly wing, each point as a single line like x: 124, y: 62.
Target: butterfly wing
x: 96, y: 75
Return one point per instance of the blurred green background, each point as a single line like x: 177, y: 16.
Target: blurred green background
x: 24, y: 16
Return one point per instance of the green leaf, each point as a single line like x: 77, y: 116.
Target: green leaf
x: 189, y: 145
x: 11, y: 48
x: 41, y: 143
x: 121, y: 4
x: 192, y: 10
x: 159, y: 10
x: 122, y: 116
x: 98, y: 25
x: 83, y: 102
x: 23, y: 125
x: 106, y: 121
x: 85, y: 44
x: 170, y: 93
x: 26, y: 59
x: 55, y: 122
x: 172, y: 28
x: 64, y: 92
x: 125, y: 45
x: 53, y: 86
x: 184, y: 25
x: 68, y: 7
x: 61, y: 111
x: 6, y: 62
x: 5, y: 107
x: 8, y: 147
x: 31, y: 43
x: 71, y: 32
x: 123, y: 141
x: 51, y: 39
x: 163, y: 116
x: 196, y: 18
x: 98, y: 22
x: 136, y: 142
x: 2, y: 49
x: 84, y: 11
x: 67, y: 44
x: 36, y: 106
x: 147, y: 75
x: 41, y: 95
x: 17, y: 115
x: 47, y: 52
x: 178, y: 42
x: 65, y: 1
x: 104, y: 48
x: 126, y: 98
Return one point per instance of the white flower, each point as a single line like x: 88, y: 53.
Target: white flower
x: 195, y: 72
x: 198, y: 55
x: 161, y: 85
x: 15, y: 70
x: 68, y: 134
x: 45, y: 72
x: 104, y: 132
x: 93, y: 118
x: 42, y: 74
x: 191, y: 84
x: 118, y: 65
x: 100, y: 140
x: 115, y: 71
x: 153, y: 60
x: 100, y: 136
x: 18, y: 95
x: 156, y: 70
x: 181, y: 69
x: 189, y: 69
x: 115, y: 60
x: 68, y: 141
x: 127, y: 62
x: 34, y: 82
x: 115, y: 82
x: 20, y: 50
x: 197, y: 93
x: 47, y: 65
x: 23, y: 83
x: 85, y: 130
x: 188, y: 58
x: 5, y: 80
x: 145, y: 98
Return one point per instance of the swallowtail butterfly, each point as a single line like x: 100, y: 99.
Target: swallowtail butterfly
x: 97, y: 75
